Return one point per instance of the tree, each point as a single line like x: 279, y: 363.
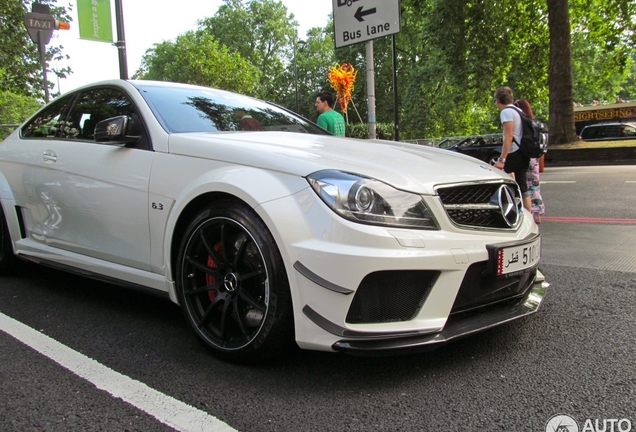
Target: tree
x: 604, y: 37
x: 14, y: 109
x: 452, y: 55
x: 603, y: 40
x: 20, y: 68
x: 313, y: 58
x: 460, y: 51
x: 262, y: 32
x: 196, y: 58
x: 592, y: 79
x: 628, y: 90
x: 561, y: 123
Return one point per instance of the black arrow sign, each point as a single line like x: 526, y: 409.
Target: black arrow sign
x: 360, y: 14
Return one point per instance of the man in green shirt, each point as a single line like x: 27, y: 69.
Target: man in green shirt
x: 328, y: 118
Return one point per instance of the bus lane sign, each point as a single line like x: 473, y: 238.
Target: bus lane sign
x: 358, y: 21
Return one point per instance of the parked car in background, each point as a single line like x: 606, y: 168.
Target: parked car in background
x: 608, y: 132
x: 272, y: 237
x: 448, y: 142
x: 486, y: 148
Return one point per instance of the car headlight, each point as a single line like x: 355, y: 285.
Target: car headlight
x: 365, y: 200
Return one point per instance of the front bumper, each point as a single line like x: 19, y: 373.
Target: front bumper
x: 455, y: 328
x: 364, y: 288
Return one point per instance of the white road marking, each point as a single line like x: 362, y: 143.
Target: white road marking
x: 558, y: 181
x: 630, y: 181
x: 166, y: 409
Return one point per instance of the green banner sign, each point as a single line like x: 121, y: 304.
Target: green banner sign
x: 94, y: 20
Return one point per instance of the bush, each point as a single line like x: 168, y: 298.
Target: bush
x: 14, y: 109
x: 383, y: 131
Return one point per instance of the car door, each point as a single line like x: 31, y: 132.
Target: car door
x: 92, y: 198
x: 479, y: 149
x: 19, y: 156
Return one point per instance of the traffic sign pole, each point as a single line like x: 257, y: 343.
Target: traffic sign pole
x: 396, y: 116
x: 371, y: 90
x: 42, y: 49
x: 40, y: 25
x: 358, y: 21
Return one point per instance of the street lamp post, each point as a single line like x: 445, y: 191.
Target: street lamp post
x: 121, y: 40
x: 296, y: 69
x: 297, y: 43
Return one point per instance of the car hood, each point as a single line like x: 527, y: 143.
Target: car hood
x: 407, y: 167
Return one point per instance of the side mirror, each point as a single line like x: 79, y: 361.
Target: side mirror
x: 115, y: 130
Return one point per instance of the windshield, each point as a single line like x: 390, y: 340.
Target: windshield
x: 199, y: 109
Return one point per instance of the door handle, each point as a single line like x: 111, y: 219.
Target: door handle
x: 49, y: 156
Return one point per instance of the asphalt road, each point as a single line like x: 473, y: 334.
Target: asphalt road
x: 576, y: 356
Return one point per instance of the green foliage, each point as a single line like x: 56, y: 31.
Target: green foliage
x: 263, y: 34
x: 628, y: 91
x: 451, y: 56
x: 603, y: 43
x: 20, y: 67
x: 314, y: 56
x: 14, y: 109
x: 383, y: 131
x: 196, y: 58
x: 457, y: 52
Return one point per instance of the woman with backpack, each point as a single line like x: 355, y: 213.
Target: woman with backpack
x: 532, y: 175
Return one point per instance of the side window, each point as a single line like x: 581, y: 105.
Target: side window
x: 630, y: 131
x: 93, y: 106
x: 611, y: 131
x: 50, y: 122
x: 589, y: 132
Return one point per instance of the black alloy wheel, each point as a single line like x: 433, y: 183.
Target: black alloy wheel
x: 232, y: 284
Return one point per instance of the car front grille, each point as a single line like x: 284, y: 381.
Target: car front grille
x: 390, y: 296
x: 481, y: 288
x: 482, y: 205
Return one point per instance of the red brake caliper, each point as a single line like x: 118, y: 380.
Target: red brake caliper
x: 209, y: 279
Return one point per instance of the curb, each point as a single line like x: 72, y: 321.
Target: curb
x: 591, y: 156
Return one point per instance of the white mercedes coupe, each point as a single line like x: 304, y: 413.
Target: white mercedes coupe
x: 264, y: 228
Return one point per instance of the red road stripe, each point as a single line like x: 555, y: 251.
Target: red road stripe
x: 589, y: 220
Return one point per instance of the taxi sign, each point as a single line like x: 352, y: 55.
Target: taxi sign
x: 40, y: 27
x: 358, y: 21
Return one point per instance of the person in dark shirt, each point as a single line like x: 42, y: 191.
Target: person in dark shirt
x: 532, y: 175
x: 512, y: 160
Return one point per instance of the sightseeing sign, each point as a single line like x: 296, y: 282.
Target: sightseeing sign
x: 358, y: 21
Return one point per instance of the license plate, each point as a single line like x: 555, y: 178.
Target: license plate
x: 515, y: 259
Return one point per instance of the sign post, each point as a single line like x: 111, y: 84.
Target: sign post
x: 371, y: 91
x: 358, y: 21
x: 40, y: 25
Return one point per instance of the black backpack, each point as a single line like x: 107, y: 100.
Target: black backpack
x: 534, y: 139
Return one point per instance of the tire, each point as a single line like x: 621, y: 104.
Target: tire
x: 8, y: 260
x: 492, y: 159
x: 232, y: 284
